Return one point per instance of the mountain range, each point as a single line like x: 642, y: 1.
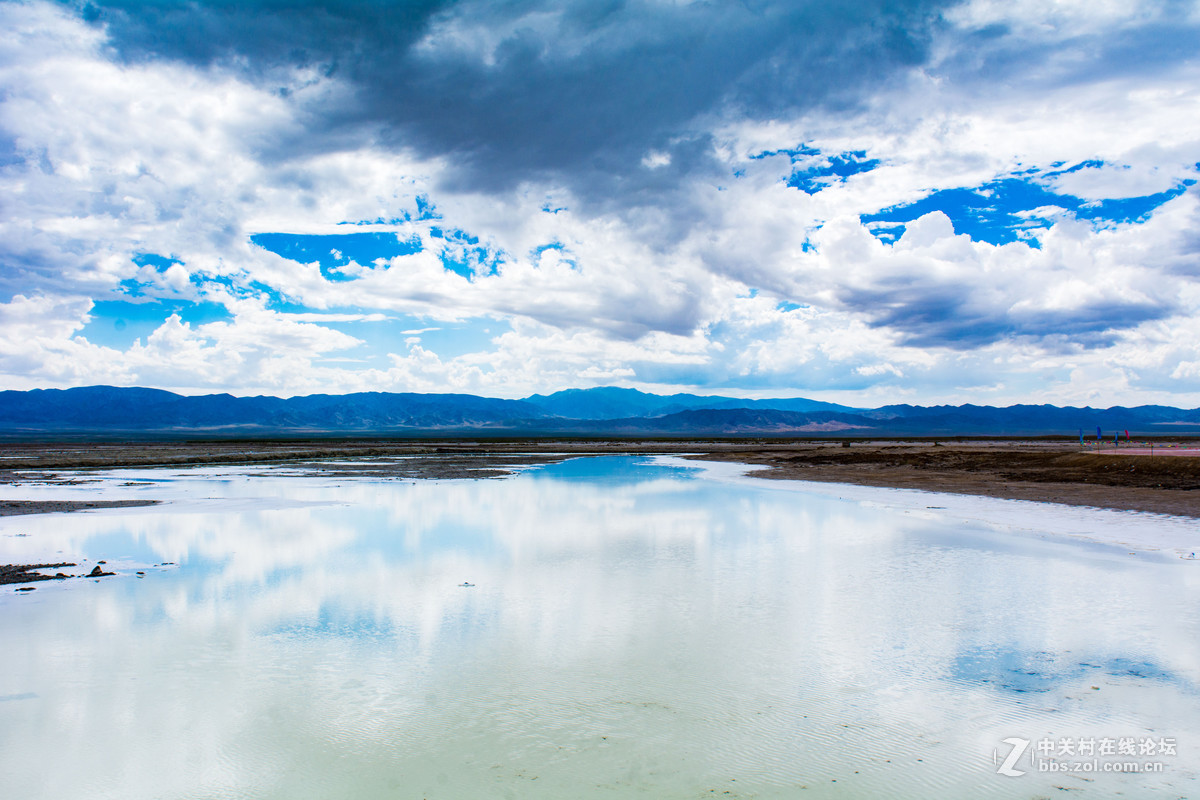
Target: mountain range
x: 602, y: 411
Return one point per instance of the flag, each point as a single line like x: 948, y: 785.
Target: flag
x: 1098, y: 434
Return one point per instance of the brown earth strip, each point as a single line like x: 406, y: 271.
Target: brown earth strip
x: 1039, y: 470
x: 22, y: 461
x: 12, y: 508
x: 1044, y: 472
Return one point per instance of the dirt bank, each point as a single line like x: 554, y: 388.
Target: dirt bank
x: 1039, y: 471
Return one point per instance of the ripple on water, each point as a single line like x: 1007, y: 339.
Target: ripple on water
x: 637, y: 632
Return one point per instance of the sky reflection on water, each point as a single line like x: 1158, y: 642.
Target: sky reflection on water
x: 633, y: 628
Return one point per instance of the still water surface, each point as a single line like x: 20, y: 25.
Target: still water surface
x: 633, y: 628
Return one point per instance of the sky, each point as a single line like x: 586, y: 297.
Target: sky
x: 866, y: 202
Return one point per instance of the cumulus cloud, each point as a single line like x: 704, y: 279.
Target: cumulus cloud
x: 578, y: 90
x: 670, y: 196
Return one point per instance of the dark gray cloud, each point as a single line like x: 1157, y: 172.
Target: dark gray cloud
x: 261, y: 36
x: 947, y: 316
x: 1159, y: 37
x: 575, y: 91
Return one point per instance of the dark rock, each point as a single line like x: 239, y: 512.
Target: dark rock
x: 25, y: 573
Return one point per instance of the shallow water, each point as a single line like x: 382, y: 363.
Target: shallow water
x: 633, y: 627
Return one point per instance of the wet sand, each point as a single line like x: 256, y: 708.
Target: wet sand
x: 1037, y: 470
x: 1051, y: 472
x: 12, y: 508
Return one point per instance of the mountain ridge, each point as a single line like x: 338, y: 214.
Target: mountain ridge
x: 598, y: 411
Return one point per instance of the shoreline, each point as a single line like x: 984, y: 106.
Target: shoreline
x: 1044, y: 473
x: 17, y: 508
x: 1032, y: 470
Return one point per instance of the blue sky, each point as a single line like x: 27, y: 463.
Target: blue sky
x: 868, y: 202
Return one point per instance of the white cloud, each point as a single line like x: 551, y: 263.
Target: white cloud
x: 158, y: 157
x: 1116, y: 182
x: 1059, y: 19
x: 655, y: 159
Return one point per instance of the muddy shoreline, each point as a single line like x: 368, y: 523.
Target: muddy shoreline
x: 1037, y: 470
x: 14, y: 508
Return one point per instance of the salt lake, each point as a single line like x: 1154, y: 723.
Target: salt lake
x: 600, y: 627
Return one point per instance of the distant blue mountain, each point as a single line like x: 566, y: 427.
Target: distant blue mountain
x: 722, y: 422
x: 606, y: 411
x: 609, y: 402
x: 1020, y: 419
x: 106, y: 408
